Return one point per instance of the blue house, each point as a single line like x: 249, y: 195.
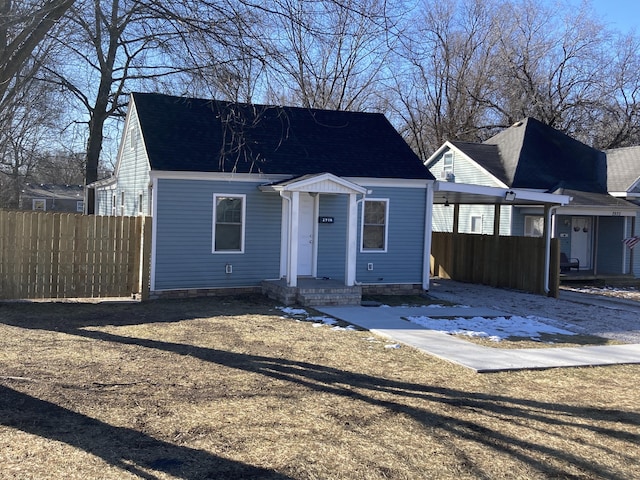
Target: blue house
x: 293, y: 202
x: 533, y: 157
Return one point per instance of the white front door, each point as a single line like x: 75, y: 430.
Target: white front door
x: 305, y: 235
x: 581, y: 234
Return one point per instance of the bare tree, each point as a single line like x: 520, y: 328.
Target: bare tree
x: 23, y: 26
x: 448, y: 59
x: 550, y: 64
x: 327, y: 54
x: 617, y: 122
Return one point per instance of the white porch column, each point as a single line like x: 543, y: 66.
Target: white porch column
x: 284, y: 235
x: 352, y: 241
x: 292, y: 275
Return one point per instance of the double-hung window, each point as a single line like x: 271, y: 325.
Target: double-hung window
x: 374, y: 225
x: 228, y: 223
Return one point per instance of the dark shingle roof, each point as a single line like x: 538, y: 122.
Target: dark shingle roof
x: 623, y: 168
x: 488, y: 156
x: 186, y: 134
x: 535, y: 155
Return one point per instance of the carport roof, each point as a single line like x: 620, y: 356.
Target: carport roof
x: 463, y: 193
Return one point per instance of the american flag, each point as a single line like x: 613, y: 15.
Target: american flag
x: 631, y: 241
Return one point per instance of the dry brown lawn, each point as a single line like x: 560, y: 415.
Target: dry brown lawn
x: 228, y: 388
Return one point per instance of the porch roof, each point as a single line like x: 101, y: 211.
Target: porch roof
x: 319, y: 183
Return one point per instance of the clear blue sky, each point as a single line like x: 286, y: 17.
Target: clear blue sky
x: 623, y: 15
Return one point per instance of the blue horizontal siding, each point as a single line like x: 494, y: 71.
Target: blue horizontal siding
x: 403, y: 260
x: 184, y: 226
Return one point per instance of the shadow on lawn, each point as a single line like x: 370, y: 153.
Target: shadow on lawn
x: 125, y: 448
x: 364, y: 388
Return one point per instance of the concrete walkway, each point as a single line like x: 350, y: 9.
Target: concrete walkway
x: 387, y: 321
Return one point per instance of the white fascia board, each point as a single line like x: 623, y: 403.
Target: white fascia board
x: 323, y: 182
x: 625, y: 194
x: 498, y: 192
x: 221, y: 176
x: 445, y: 146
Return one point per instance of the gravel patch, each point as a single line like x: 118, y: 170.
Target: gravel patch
x: 613, y: 316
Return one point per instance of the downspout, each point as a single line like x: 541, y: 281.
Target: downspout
x: 547, y: 248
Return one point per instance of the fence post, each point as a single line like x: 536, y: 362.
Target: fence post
x: 145, y: 258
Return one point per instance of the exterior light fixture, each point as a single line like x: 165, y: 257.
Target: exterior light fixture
x: 510, y: 196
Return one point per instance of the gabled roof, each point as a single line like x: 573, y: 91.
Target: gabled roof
x: 197, y: 135
x: 623, y: 168
x: 535, y: 155
x: 488, y: 156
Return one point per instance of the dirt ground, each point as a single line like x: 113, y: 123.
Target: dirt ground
x: 229, y: 388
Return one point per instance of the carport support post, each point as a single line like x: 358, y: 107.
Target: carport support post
x: 496, y: 220
x: 456, y: 217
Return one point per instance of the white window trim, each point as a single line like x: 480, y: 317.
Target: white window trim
x: 80, y: 206
x: 471, y: 217
x: 386, y: 226
x: 242, y: 232
x: 447, y: 167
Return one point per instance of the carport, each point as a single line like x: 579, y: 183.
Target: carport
x: 476, y: 258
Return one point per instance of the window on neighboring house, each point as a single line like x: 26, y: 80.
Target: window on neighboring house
x: 533, y: 226
x: 133, y: 138
x: 374, y: 225
x: 39, y: 204
x: 140, y: 198
x: 122, y: 203
x: 80, y: 206
x: 228, y: 223
x: 476, y: 224
x: 447, y: 162
x: 114, y: 210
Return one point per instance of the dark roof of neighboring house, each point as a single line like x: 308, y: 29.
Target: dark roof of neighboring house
x: 59, y: 192
x: 197, y: 135
x: 535, y: 155
x: 623, y: 168
x: 488, y: 156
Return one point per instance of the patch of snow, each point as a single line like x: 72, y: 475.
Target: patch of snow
x: 495, y: 329
x: 392, y: 345
x: 293, y: 311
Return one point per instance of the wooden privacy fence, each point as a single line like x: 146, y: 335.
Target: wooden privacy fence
x: 58, y: 255
x: 505, y: 262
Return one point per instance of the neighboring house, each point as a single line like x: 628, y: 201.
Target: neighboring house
x: 240, y: 194
x: 623, y: 181
x: 52, y: 198
x: 532, y: 156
